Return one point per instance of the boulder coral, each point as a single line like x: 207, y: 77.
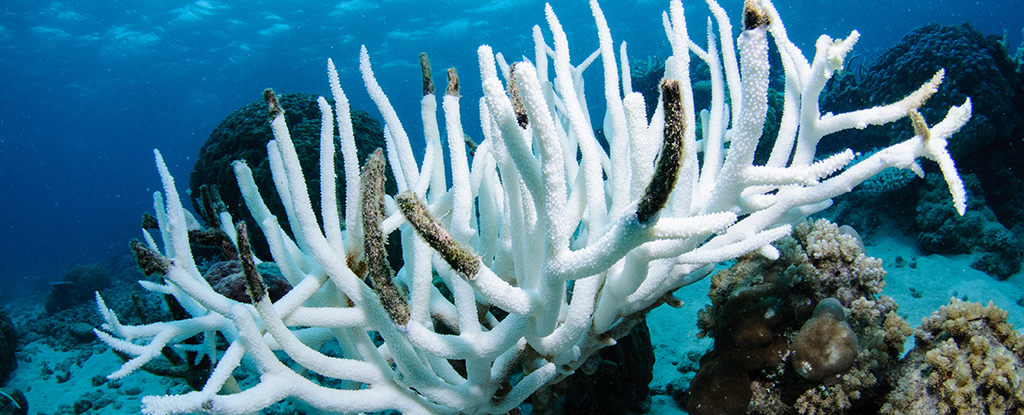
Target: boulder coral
x: 825, y: 347
x: 244, y: 134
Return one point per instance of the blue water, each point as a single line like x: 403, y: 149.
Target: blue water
x: 89, y: 88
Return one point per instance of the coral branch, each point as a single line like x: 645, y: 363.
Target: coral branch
x: 671, y: 155
x: 377, y: 267
x: 461, y: 259
x: 253, y: 281
x: 149, y: 261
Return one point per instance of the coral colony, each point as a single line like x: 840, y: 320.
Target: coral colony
x: 544, y: 257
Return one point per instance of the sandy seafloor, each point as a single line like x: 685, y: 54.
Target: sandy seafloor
x: 919, y: 291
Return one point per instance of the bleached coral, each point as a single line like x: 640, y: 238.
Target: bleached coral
x: 549, y: 248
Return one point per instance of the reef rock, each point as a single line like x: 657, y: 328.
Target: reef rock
x: 77, y: 286
x: 8, y: 344
x: 995, y: 249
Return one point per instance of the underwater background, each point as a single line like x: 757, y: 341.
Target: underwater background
x: 89, y: 88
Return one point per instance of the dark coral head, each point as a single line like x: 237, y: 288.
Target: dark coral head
x: 719, y: 388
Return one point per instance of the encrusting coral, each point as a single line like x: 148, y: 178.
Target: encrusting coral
x: 807, y: 333
x: 968, y: 360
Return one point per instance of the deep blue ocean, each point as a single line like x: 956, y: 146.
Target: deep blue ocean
x: 89, y: 88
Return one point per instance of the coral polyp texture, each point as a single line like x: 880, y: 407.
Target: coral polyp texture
x: 539, y: 253
x: 807, y: 333
x: 968, y: 359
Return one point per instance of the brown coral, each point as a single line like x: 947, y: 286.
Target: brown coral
x: 758, y: 306
x: 967, y: 360
x: 825, y: 347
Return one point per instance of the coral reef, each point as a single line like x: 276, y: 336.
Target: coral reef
x: 981, y: 67
x: 967, y: 360
x: 807, y: 333
x: 550, y: 249
x: 996, y: 250
x: 69, y: 328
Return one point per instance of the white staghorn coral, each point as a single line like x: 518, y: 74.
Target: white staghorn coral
x: 572, y: 250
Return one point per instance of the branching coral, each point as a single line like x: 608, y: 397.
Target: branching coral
x: 549, y: 249
x: 968, y: 359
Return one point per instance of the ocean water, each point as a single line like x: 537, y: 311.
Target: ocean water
x: 89, y: 88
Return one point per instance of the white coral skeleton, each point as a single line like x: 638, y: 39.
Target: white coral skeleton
x: 548, y: 257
